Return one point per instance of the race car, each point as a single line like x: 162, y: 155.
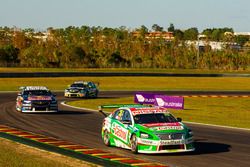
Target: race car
x: 33, y: 99
x: 146, y: 130
x: 82, y: 89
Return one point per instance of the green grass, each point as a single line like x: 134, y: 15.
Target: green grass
x: 135, y: 83
x: 219, y: 111
x: 18, y: 155
x: 5, y: 69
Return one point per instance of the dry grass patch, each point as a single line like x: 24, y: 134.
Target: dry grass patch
x: 13, y: 154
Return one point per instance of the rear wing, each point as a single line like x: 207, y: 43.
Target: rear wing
x: 100, y: 108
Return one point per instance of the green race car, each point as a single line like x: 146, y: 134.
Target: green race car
x: 146, y: 130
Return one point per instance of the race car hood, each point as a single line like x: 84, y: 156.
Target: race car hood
x: 164, y: 127
x: 33, y: 98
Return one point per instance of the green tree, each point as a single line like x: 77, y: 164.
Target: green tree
x: 191, y: 34
x: 171, y: 28
x: 156, y: 27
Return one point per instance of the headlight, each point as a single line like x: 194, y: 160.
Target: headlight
x: 82, y: 91
x: 66, y: 90
x: 145, y: 135
x: 53, y: 99
x: 190, y: 133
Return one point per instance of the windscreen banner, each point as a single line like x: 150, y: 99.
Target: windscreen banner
x: 174, y: 102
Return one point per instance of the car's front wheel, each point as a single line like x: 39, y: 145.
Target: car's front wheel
x: 106, y: 138
x: 133, y: 143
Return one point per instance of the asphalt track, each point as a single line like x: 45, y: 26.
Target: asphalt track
x: 215, y: 146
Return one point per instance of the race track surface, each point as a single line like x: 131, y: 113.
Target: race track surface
x: 215, y: 147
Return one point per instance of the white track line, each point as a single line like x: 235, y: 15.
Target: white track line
x: 195, y: 123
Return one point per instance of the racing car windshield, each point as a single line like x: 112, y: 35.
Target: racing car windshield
x: 37, y: 93
x: 154, y: 118
x: 78, y: 85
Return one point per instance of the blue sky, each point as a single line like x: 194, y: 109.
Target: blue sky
x: 41, y: 14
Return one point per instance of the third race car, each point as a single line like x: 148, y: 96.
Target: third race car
x: 82, y: 89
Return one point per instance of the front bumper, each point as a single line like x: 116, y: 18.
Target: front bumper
x: 74, y: 94
x: 165, y: 146
x: 34, y: 108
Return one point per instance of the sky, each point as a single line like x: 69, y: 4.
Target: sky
x: 184, y: 14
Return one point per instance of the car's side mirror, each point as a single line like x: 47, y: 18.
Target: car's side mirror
x: 179, y: 119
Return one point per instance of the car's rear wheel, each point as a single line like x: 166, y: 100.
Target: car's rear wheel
x: 133, y: 143
x: 106, y: 138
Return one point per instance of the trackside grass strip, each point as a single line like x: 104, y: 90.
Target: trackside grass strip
x: 134, y: 83
x: 14, y: 154
x: 230, y: 111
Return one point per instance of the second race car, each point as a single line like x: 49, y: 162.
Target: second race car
x: 36, y: 99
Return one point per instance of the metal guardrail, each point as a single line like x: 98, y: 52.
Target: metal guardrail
x: 111, y: 74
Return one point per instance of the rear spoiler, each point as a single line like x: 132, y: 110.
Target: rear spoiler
x: 100, y: 108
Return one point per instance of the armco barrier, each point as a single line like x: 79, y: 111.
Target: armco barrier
x: 109, y: 74
x: 82, y: 152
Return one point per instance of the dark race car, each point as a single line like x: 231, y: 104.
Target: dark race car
x: 82, y: 89
x: 36, y: 99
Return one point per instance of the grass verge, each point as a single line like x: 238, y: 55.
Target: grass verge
x: 13, y: 154
x: 219, y: 111
x: 134, y: 83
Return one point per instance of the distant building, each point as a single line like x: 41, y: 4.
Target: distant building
x: 242, y: 33
x: 156, y: 35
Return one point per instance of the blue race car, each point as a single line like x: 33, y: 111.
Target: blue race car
x: 32, y: 99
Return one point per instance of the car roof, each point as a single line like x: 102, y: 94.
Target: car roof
x: 27, y: 88
x: 81, y: 82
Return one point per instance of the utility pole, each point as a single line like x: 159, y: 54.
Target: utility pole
x: 198, y: 51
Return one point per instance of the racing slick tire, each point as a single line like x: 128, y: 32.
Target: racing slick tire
x: 106, y: 138
x: 133, y: 143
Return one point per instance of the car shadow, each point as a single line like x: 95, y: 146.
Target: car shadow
x: 63, y: 112
x: 210, y: 148
x: 202, y: 147
x: 68, y: 112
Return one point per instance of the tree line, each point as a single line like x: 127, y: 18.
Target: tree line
x: 103, y: 47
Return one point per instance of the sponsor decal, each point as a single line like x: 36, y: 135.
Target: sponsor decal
x: 146, y: 142
x: 148, y: 111
x: 39, y: 98
x: 168, y: 128
x: 164, y: 126
x: 172, y: 142
x: 119, y: 132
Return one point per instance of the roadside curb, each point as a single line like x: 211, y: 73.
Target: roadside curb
x: 81, y: 152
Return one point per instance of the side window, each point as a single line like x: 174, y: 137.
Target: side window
x: 118, y: 115
x: 91, y: 85
x: 126, y: 116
